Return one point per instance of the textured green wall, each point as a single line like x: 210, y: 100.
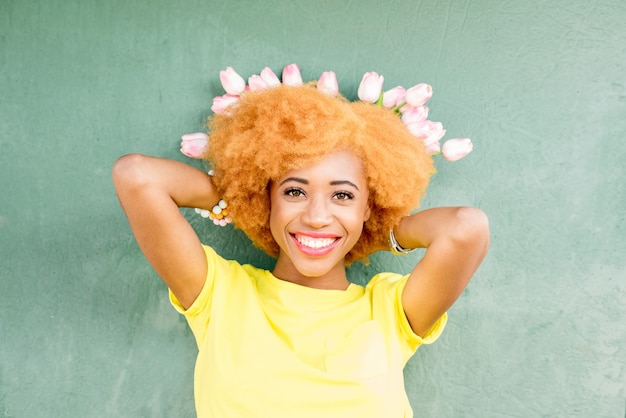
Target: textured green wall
x: 85, y: 326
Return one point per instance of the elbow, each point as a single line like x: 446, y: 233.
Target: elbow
x: 472, y: 228
x: 128, y: 173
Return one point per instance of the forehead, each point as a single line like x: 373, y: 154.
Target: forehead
x: 339, y: 165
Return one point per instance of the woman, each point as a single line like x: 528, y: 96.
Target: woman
x: 317, y: 182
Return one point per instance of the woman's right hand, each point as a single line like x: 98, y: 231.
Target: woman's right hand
x: 151, y: 190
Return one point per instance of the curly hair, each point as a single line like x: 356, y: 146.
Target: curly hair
x: 270, y: 132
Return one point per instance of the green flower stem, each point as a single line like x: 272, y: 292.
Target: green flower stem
x: 379, y: 102
x: 396, y: 109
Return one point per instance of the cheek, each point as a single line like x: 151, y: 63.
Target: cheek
x: 368, y: 213
x: 279, y: 219
x: 274, y: 209
x: 358, y: 223
x: 274, y: 225
x: 355, y: 223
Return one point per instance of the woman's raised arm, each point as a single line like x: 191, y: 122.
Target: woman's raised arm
x: 150, y: 191
x: 457, y: 239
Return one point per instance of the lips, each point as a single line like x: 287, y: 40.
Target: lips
x: 315, y: 244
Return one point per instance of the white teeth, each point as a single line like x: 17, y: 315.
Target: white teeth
x: 314, y: 242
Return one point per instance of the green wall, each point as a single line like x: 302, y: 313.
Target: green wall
x: 85, y: 326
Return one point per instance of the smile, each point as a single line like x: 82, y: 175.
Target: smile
x: 315, y: 243
x: 315, y: 246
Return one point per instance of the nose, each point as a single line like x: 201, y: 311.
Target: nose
x: 317, y: 212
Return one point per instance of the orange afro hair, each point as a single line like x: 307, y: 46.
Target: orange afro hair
x: 270, y: 132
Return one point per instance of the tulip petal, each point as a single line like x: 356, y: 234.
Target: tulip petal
x: 415, y: 115
x: 256, y: 82
x: 232, y: 82
x: 418, y: 94
x: 194, y: 145
x: 393, y: 97
x: 270, y: 77
x: 291, y: 75
x: 328, y: 83
x: 221, y: 103
x: 371, y: 87
x: 434, y: 148
x: 457, y: 148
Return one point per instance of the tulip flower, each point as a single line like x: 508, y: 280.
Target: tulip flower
x: 371, y: 86
x: 232, y: 82
x: 455, y: 149
x: 428, y: 131
x: 415, y: 115
x: 256, y: 82
x: 434, y: 148
x: 418, y: 95
x: 393, y: 97
x: 270, y: 78
x: 291, y: 75
x: 328, y: 83
x: 436, y: 133
x: 220, y: 103
x: 194, y: 145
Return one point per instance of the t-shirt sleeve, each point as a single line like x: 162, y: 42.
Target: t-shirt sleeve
x: 199, y: 313
x: 431, y: 336
x: 387, y: 288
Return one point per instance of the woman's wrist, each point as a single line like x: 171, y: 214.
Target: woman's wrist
x: 395, y: 247
x: 421, y: 229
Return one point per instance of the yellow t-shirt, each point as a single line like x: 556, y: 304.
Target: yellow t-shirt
x: 272, y: 349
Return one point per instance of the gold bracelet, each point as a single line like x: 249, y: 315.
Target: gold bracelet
x: 396, y: 248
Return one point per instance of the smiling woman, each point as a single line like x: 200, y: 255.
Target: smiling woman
x: 317, y: 217
x: 290, y: 127
x: 315, y: 191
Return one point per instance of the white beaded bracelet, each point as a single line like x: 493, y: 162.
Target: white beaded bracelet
x: 219, y: 213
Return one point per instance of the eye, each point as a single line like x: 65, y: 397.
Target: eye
x: 293, y: 192
x: 344, y: 196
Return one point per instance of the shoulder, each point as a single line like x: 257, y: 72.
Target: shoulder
x: 225, y: 270
x: 385, y: 282
x: 219, y: 264
x: 384, y: 291
x: 224, y: 278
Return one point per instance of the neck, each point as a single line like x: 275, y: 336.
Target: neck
x: 335, y: 279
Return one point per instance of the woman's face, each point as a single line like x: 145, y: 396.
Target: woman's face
x: 317, y: 215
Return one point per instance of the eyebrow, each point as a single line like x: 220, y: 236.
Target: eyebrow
x: 305, y: 181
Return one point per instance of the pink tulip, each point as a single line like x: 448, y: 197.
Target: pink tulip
x: 415, y: 115
x: 434, y: 148
x: 455, y: 149
x: 256, y: 82
x: 418, y: 95
x: 328, y: 83
x: 194, y: 145
x: 428, y: 131
x: 291, y: 75
x: 418, y: 129
x: 393, y: 97
x: 220, y: 103
x: 270, y: 78
x: 232, y: 82
x: 371, y: 86
x: 436, y: 133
